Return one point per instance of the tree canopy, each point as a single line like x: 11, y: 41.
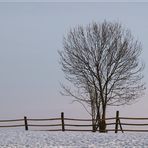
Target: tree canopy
x: 102, y: 62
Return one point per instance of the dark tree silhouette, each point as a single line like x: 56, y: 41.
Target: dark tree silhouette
x: 102, y: 62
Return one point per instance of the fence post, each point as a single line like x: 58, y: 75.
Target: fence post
x: 121, y: 126
x: 26, y: 124
x: 117, y: 120
x: 62, y: 120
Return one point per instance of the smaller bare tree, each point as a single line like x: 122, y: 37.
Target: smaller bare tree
x: 102, y: 62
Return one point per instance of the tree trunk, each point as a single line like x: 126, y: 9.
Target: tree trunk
x: 102, y: 122
x: 102, y: 126
x: 94, y: 128
x: 99, y: 122
x: 93, y: 125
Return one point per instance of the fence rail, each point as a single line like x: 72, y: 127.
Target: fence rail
x: 12, y: 120
x: 114, y: 124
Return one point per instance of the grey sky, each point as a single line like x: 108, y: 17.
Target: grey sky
x: 73, y: 0
x: 31, y: 34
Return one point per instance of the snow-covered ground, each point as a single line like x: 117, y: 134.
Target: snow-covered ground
x: 38, y: 139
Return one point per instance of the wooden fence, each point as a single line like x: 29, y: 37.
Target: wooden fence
x: 114, y: 124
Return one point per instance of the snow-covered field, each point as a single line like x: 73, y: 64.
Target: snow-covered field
x: 38, y: 139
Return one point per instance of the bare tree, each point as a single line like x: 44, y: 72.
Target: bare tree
x: 102, y: 62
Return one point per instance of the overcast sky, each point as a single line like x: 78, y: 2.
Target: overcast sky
x: 74, y: 1
x: 30, y: 36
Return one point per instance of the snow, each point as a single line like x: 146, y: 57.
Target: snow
x: 46, y: 139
